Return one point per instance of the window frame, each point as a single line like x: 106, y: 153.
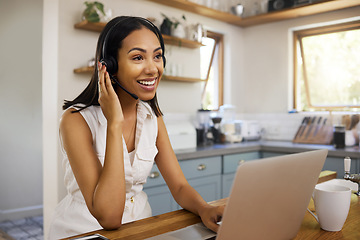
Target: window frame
x: 298, y: 35
x: 219, y: 44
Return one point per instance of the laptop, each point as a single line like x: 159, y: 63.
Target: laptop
x: 268, y: 199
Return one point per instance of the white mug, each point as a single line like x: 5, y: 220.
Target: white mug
x: 332, y: 204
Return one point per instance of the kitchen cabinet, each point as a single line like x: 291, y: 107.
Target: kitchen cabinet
x: 160, y: 200
x: 337, y: 164
x: 208, y: 187
x: 331, y: 163
x: 169, y: 40
x: 317, y: 7
x: 230, y: 165
x: 271, y: 154
x: 159, y: 195
x: 203, y: 174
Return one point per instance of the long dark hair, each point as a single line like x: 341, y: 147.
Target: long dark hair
x: 114, y: 33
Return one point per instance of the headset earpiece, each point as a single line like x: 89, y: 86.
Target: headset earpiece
x: 111, y: 64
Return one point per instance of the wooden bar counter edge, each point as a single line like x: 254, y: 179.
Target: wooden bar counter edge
x: 175, y: 220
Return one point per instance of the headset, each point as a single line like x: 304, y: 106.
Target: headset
x: 111, y: 62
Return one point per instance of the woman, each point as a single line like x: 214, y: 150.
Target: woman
x: 112, y: 133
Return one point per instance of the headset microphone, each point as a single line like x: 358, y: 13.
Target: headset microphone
x: 113, y: 79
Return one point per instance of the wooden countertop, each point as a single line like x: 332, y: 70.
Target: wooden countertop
x: 175, y: 220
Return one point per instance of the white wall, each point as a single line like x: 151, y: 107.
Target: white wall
x: 20, y: 121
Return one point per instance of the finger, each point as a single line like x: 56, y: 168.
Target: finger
x: 102, y: 80
x: 220, y: 210
x: 108, y: 82
x: 98, y: 73
x: 213, y: 226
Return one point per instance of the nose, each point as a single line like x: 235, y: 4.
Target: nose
x: 151, y: 67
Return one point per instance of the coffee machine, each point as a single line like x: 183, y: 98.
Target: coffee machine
x: 203, y: 132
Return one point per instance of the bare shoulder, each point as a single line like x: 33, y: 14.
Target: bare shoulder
x: 70, y: 118
x: 73, y: 122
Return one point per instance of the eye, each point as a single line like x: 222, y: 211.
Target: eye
x: 137, y: 58
x: 158, y: 56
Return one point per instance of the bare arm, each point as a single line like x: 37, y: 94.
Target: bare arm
x: 103, y: 188
x: 183, y: 193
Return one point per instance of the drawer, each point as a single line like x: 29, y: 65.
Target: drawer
x: 154, y: 178
x: 232, y: 161
x: 201, y: 167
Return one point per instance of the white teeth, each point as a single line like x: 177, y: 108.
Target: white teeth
x: 148, y: 83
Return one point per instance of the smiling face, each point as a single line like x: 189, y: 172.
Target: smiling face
x: 140, y: 64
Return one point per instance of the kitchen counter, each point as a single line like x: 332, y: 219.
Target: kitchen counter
x: 269, y: 146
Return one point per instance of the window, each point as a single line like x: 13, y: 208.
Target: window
x: 212, y: 54
x: 327, y: 72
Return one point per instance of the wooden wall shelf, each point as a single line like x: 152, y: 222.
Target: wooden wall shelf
x: 181, y: 42
x: 170, y: 40
x: 84, y: 70
x: 90, y: 70
x: 290, y: 13
x: 181, y: 79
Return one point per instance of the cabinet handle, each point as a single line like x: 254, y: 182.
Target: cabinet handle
x: 154, y: 175
x: 241, y: 161
x: 201, y: 167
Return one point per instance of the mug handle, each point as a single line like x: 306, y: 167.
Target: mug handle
x: 316, y: 218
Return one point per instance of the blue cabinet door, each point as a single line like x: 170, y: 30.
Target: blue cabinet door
x: 160, y: 199
x: 271, y: 154
x: 227, y: 181
x: 208, y: 187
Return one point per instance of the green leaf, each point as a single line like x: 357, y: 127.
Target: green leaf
x: 100, y: 6
x: 93, y: 17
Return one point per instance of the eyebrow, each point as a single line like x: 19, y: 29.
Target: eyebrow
x: 142, y: 50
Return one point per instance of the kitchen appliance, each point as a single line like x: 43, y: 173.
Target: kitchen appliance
x: 228, y: 113
x: 181, y: 131
x: 216, y: 130
x: 232, y: 131
x: 239, y: 130
x: 204, y: 134
x: 250, y: 130
x: 182, y: 134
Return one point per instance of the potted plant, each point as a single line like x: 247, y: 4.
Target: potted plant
x: 173, y: 27
x: 94, y: 12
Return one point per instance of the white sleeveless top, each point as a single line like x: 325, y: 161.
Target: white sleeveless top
x: 72, y: 216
